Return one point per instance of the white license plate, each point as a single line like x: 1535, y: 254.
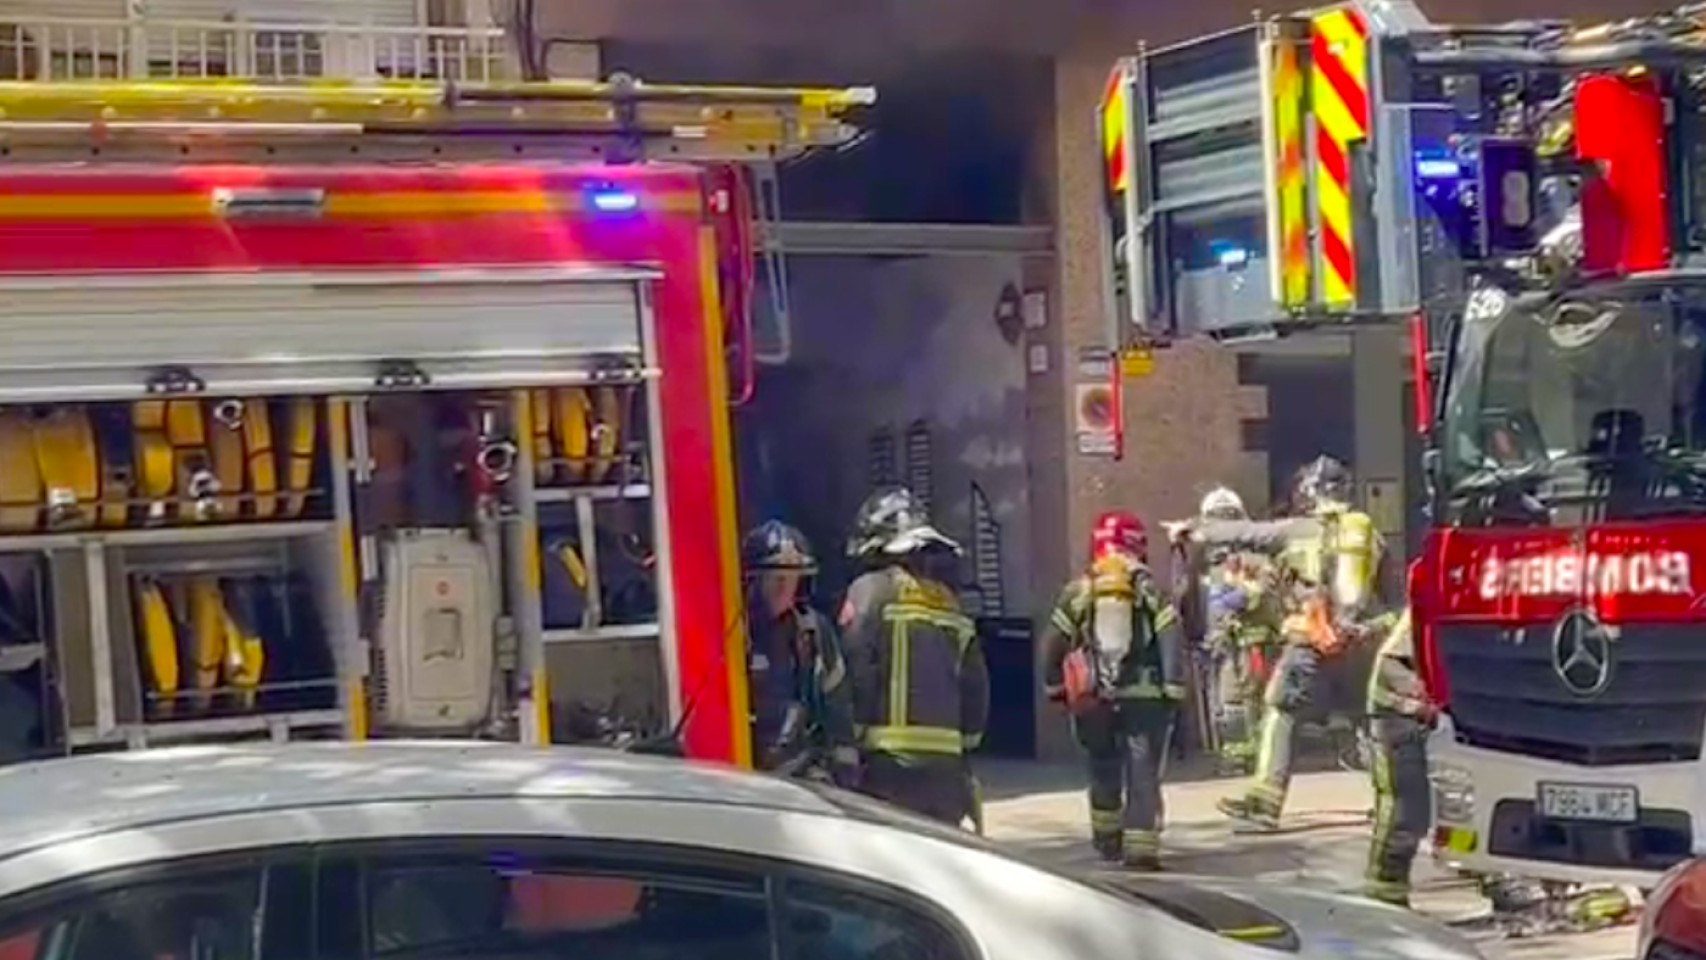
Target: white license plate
x: 1569, y: 801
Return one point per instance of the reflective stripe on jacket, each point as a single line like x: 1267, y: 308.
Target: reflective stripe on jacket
x: 1154, y: 668
x: 920, y: 685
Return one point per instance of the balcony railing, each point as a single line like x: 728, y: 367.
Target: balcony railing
x: 34, y: 48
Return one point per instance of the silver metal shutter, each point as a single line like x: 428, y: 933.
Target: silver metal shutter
x: 95, y: 338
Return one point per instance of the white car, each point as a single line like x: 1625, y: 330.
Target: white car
x: 439, y: 850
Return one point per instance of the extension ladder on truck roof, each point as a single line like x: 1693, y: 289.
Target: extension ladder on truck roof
x: 234, y: 275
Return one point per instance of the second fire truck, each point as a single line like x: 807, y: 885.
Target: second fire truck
x: 1529, y: 198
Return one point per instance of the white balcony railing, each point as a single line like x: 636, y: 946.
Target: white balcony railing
x: 33, y: 48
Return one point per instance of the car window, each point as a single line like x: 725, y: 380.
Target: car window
x: 176, y: 911
x: 622, y: 902
x: 496, y: 902
x: 831, y: 922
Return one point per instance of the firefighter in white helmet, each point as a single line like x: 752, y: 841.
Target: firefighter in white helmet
x: 1328, y: 556
x: 1241, y: 624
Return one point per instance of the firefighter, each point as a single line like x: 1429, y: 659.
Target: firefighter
x: 1328, y: 558
x: 802, y: 718
x: 1114, y: 654
x: 1241, y: 630
x: 1401, y: 714
x: 920, y: 686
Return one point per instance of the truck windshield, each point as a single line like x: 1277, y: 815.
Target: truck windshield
x: 1595, y: 401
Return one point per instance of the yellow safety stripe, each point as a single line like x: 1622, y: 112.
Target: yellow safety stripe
x: 1388, y: 891
x: 958, y: 624
x: 900, y: 668
x: 1164, y: 617
x: 971, y: 741
x: 1105, y: 821
x: 1384, y: 804
x: 898, y: 739
x: 1063, y: 621
x: 1261, y: 931
x: 1145, y: 840
x: 1266, y: 743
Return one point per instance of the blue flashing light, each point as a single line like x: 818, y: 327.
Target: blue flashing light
x: 1438, y: 168
x: 1229, y: 254
x: 609, y: 200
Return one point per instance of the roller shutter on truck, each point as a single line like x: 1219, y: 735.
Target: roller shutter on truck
x: 109, y: 337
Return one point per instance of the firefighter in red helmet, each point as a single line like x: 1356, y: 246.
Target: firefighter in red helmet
x: 1114, y: 656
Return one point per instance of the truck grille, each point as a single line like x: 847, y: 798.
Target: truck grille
x: 1506, y: 694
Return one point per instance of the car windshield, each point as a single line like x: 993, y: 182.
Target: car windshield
x: 1579, y: 398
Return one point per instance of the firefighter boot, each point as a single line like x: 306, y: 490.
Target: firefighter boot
x: 1105, y: 836
x: 1146, y: 727
x: 1105, y: 756
x: 1142, y: 851
x: 1252, y: 813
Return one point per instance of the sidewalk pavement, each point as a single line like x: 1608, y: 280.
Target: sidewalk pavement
x: 1323, y: 841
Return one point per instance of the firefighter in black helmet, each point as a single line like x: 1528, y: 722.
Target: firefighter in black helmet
x: 1329, y: 556
x: 920, y: 687
x: 802, y: 714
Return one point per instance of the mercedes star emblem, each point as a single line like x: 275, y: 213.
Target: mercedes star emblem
x: 1581, y: 654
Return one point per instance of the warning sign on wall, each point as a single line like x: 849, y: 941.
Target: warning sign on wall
x: 1098, y: 433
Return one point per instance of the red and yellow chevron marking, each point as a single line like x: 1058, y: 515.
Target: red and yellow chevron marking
x: 1338, y: 96
x: 1293, y: 255
x: 1114, y: 115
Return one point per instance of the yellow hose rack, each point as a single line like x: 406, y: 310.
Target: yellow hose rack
x: 621, y: 120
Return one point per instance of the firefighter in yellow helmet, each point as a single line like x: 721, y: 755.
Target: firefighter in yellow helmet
x: 1113, y: 652
x: 1329, y: 557
x: 920, y: 685
x: 1400, y: 716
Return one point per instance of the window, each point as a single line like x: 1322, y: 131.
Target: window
x: 473, y: 899
x: 497, y: 902
x: 172, y: 912
x: 830, y: 922
x: 633, y: 903
x: 288, y: 55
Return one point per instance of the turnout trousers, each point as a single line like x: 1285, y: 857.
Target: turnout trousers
x: 938, y: 787
x: 1240, y: 676
x: 1302, y: 683
x: 1125, y: 742
x: 1403, y: 805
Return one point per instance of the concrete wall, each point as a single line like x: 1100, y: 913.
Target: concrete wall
x: 882, y: 345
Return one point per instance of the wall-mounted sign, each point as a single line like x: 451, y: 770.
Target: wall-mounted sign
x: 1096, y: 405
x: 1095, y: 415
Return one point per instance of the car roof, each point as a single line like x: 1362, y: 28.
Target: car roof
x: 53, y: 800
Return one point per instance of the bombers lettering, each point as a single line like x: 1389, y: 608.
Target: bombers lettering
x: 1663, y: 572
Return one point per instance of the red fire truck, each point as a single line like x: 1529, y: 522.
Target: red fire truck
x: 331, y: 409
x: 1528, y: 198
